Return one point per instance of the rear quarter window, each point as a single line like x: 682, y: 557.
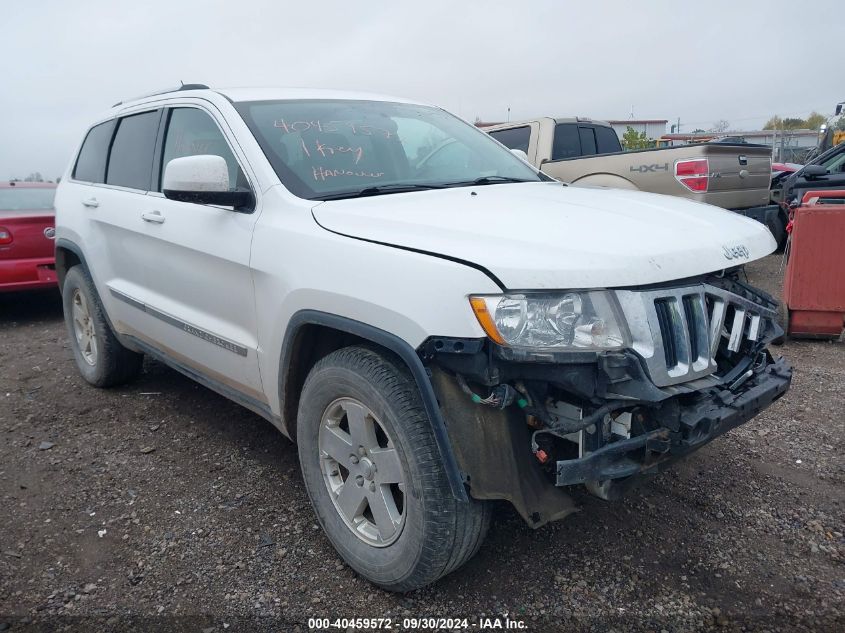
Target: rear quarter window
x: 91, y: 162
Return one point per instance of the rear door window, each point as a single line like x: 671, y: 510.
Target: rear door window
x: 192, y: 132
x: 91, y: 162
x: 588, y: 141
x: 606, y: 140
x: 566, y: 142
x: 131, y: 159
x: 514, y: 138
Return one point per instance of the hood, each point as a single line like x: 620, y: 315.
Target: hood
x: 536, y: 236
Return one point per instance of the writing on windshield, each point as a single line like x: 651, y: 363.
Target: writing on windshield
x: 326, y: 154
x: 332, y: 147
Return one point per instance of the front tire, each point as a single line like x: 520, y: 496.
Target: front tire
x: 374, y: 475
x: 99, y: 356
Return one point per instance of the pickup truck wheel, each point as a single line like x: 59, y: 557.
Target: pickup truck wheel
x: 99, y: 356
x: 374, y: 475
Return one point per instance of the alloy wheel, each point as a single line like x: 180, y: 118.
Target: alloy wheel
x: 362, y: 472
x: 83, y: 328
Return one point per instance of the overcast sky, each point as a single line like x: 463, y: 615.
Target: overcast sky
x: 742, y: 61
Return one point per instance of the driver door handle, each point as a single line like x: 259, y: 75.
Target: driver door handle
x: 153, y: 216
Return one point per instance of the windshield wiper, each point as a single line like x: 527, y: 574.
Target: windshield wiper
x: 377, y: 190
x: 488, y: 180
x: 380, y: 190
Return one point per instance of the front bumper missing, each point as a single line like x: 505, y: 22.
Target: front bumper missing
x: 714, y: 412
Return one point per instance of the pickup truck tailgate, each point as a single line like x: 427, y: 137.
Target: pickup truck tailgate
x: 738, y: 175
x: 735, y: 167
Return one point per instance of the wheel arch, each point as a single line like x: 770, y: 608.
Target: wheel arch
x: 312, y: 335
x: 68, y: 255
x: 604, y: 179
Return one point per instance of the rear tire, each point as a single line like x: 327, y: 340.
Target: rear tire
x: 99, y: 356
x: 357, y: 393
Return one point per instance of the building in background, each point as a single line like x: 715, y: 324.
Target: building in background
x: 653, y: 128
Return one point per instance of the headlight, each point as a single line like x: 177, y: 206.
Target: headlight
x: 572, y: 320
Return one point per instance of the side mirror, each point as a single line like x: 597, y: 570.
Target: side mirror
x: 202, y: 179
x: 814, y: 171
x: 520, y: 154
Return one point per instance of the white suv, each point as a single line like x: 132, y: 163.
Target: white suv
x: 435, y: 323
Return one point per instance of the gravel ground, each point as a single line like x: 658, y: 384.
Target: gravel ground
x: 161, y: 505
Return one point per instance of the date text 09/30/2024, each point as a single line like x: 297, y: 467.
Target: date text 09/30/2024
x: 430, y: 624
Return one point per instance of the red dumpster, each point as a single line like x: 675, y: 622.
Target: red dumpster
x: 814, y: 287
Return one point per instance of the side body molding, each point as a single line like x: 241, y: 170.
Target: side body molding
x: 406, y: 353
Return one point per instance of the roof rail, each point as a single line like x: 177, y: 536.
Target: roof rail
x: 164, y: 92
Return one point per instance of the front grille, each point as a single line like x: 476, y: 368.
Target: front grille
x: 680, y: 331
x: 668, y: 325
x: 695, y: 322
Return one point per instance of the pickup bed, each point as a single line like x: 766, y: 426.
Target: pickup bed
x: 586, y: 152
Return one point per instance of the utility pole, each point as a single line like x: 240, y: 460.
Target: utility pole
x: 509, y: 114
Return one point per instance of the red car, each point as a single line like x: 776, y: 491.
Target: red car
x: 27, y: 219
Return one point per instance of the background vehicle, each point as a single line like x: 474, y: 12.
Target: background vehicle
x: 730, y: 140
x: 581, y: 151
x: 26, y: 236
x: 780, y: 172
x: 826, y: 171
x: 785, y: 168
x: 436, y: 323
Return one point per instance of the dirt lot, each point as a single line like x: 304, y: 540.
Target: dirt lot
x: 162, y: 505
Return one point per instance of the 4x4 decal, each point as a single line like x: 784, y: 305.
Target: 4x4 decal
x: 654, y: 167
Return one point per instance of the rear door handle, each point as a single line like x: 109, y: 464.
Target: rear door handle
x: 153, y: 216
x: 91, y: 202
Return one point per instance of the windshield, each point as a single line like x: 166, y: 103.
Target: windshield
x: 328, y: 149
x: 14, y: 199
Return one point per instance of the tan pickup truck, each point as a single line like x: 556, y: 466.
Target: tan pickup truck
x: 581, y: 151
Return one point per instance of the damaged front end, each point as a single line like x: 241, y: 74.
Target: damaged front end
x: 695, y: 365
